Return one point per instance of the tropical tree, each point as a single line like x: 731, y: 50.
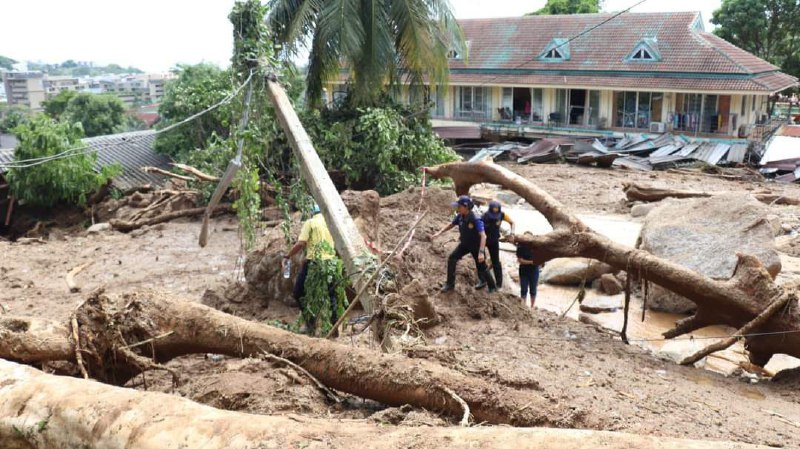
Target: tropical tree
x: 376, y: 40
x: 555, y: 7
x: 12, y: 116
x: 67, y: 179
x: 55, y: 106
x: 99, y: 114
x: 767, y: 28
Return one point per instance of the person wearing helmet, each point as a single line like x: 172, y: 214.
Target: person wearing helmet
x: 472, y: 241
x: 316, y: 240
x: 492, y: 219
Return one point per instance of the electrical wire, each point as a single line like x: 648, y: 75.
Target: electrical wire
x: 83, y: 149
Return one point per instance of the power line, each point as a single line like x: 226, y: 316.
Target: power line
x: 83, y: 149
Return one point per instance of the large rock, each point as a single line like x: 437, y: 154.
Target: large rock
x: 704, y: 235
x: 573, y: 271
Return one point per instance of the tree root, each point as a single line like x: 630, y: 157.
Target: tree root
x: 734, y: 302
x: 109, y: 332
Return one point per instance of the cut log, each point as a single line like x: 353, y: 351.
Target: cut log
x: 734, y: 302
x: 109, y: 333
x: 42, y: 411
x: 348, y: 241
x: 128, y: 226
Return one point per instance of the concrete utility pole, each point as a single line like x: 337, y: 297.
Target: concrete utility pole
x: 349, y: 242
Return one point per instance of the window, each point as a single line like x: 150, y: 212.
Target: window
x: 472, y: 102
x: 553, y: 54
x: 556, y: 50
x: 645, y: 51
x: 637, y: 109
x: 642, y: 54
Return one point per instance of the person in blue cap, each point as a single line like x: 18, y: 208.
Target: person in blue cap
x: 492, y: 219
x: 472, y: 241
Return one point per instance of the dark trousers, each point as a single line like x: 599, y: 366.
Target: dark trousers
x: 300, y: 290
x: 494, y: 253
x: 457, y: 254
x: 528, y: 280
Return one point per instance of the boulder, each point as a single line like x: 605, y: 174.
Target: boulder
x: 602, y: 304
x: 610, y: 285
x: 641, y: 210
x: 98, y: 228
x: 573, y: 271
x: 704, y: 235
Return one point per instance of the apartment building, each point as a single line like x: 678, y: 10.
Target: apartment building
x: 25, y: 88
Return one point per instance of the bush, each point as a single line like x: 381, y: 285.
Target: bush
x: 66, y: 180
x: 381, y: 148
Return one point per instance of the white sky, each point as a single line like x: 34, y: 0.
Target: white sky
x: 154, y: 35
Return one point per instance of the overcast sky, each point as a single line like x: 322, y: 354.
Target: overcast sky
x: 154, y: 35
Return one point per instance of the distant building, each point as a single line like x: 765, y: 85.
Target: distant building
x: 25, y: 88
x: 54, y: 85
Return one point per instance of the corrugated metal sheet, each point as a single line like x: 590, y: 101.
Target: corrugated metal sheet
x: 667, y: 150
x: 634, y: 163
x: 131, y: 150
x: 689, y: 149
x: 711, y: 153
x: 737, y: 153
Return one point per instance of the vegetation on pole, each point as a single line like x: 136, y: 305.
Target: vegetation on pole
x: 66, y: 180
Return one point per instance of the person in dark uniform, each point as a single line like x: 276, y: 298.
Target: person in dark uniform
x: 472, y: 241
x: 492, y: 219
x: 528, y: 273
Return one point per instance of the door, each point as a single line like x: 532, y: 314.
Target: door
x: 724, y: 114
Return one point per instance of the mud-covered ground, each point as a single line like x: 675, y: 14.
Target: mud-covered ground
x: 605, y: 383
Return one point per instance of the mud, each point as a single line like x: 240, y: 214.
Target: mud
x: 610, y: 385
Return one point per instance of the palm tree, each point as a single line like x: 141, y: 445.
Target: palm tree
x: 381, y: 42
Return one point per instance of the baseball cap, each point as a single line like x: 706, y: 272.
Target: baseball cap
x: 463, y: 200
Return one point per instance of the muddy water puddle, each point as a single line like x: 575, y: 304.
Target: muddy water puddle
x: 647, y: 333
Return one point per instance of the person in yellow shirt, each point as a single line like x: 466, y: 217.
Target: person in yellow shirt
x: 316, y: 240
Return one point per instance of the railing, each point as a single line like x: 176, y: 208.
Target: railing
x: 764, y: 131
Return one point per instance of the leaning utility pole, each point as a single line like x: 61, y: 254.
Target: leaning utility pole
x: 349, y: 242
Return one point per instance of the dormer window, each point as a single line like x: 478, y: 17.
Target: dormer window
x: 556, y: 50
x: 553, y: 54
x: 642, y: 55
x: 456, y: 53
x: 645, y: 51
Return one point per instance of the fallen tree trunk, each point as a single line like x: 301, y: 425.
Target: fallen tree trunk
x: 649, y: 194
x: 128, y: 226
x: 42, y: 411
x: 734, y: 302
x: 111, y: 335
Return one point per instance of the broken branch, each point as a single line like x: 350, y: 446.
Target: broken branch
x: 167, y: 173
x: 746, y: 329
x: 465, y: 419
x: 70, y: 279
x: 199, y: 174
x: 328, y: 392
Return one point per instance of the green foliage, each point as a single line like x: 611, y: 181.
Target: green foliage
x: 12, y: 116
x: 377, y: 148
x: 66, y: 180
x: 767, y: 28
x: 98, y: 114
x: 377, y: 40
x: 7, y: 63
x: 55, y: 106
x: 197, y: 87
x: 322, y: 275
x: 558, y: 7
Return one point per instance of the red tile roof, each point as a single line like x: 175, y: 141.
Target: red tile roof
x: 507, y: 50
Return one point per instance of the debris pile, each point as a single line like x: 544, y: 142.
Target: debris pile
x: 637, y: 152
